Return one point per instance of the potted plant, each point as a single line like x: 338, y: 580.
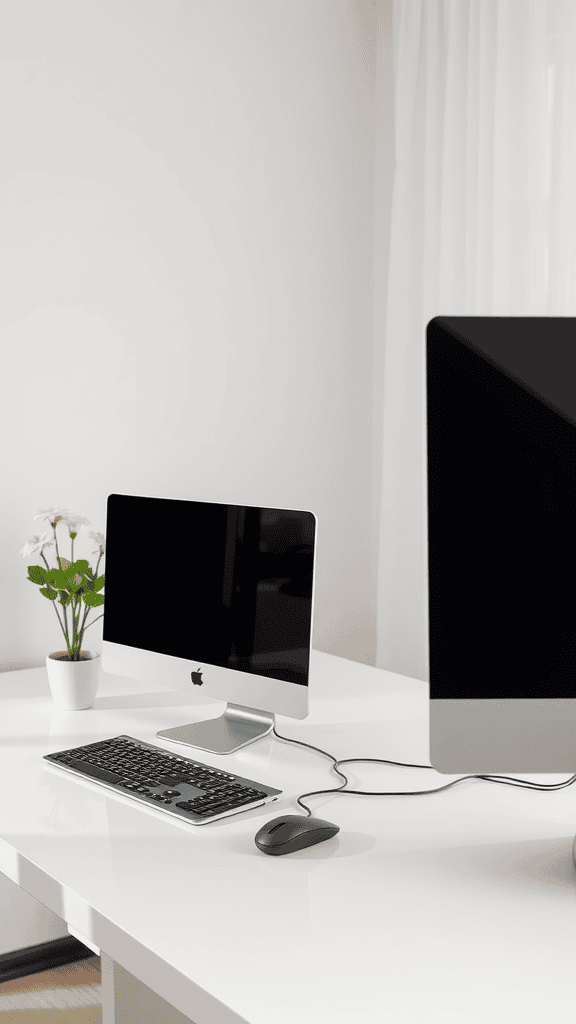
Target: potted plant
x: 77, y: 588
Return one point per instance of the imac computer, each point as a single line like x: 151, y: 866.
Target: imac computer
x: 214, y: 599
x: 501, y: 458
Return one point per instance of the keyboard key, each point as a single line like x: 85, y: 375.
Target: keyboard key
x: 94, y: 771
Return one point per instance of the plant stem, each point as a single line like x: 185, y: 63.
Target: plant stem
x: 79, y: 628
x: 82, y: 627
x: 55, y: 608
x: 93, y: 621
x: 77, y: 633
x: 57, y: 550
x: 70, y: 652
x: 66, y: 633
x: 73, y: 610
x: 86, y: 610
x: 84, y: 624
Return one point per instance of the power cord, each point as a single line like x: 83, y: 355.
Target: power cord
x: 502, y: 779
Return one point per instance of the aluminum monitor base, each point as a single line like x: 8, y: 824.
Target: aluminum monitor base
x: 237, y: 727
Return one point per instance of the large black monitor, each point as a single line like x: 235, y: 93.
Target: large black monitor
x: 501, y: 456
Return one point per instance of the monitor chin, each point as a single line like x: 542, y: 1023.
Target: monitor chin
x: 499, y: 735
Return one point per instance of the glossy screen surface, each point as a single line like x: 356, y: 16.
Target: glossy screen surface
x: 219, y: 584
x: 501, y: 411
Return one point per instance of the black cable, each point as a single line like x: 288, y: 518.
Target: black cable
x: 502, y: 779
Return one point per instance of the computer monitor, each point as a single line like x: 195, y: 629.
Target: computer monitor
x: 501, y: 426
x: 215, y: 599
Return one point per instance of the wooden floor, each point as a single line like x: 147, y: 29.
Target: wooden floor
x: 66, y: 995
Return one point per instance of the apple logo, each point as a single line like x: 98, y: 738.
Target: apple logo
x: 196, y: 677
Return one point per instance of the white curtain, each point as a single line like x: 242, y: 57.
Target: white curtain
x: 482, y: 222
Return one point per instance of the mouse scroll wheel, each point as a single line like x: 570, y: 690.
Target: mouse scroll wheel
x: 279, y: 825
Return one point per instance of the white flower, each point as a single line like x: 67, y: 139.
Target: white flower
x: 52, y: 514
x: 100, y: 540
x: 37, y: 544
x: 75, y: 521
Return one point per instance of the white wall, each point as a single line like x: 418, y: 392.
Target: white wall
x: 384, y: 167
x: 186, y: 211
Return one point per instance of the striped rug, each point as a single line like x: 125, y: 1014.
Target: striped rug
x: 65, y: 995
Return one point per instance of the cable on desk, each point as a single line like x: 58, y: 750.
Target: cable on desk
x: 502, y: 779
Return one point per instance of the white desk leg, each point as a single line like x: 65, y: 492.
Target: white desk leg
x: 107, y: 988
x: 125, y: 1000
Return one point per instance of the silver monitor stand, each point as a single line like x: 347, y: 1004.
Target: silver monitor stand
x: 235, y: 728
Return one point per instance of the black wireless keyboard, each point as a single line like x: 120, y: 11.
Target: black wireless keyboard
x: 190, y: 790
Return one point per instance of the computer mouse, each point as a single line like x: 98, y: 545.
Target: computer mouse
x: 293, y: 832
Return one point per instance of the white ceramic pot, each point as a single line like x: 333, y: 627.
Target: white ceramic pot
x: 73, y: 684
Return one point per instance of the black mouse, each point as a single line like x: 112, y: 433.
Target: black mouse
x: 293, y: 832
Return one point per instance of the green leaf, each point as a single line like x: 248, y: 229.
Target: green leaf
x: 36, y: 574
x: 58, y: 578
x: 49, y: 593
x: 92, y: 599
x: 99, y: 583
x: 65, y: 598
x: 80, y: 575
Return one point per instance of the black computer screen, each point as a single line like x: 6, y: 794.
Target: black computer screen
x: 501, y: 426
x: 225, y: 585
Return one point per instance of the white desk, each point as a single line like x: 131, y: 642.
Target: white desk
x: 458, y: 906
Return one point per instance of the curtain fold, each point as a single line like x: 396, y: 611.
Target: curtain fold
x: 482, y: 222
